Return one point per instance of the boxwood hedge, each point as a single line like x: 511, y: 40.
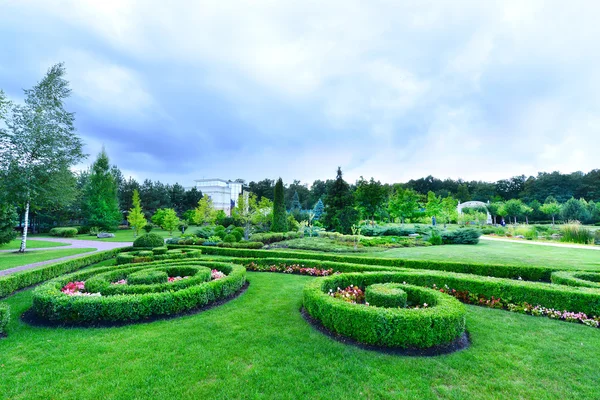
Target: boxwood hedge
x: 577, y: 278
x: 4, y: 317
x: 386, y: 295
x: 440, y: 323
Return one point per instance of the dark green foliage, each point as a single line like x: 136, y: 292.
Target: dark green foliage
x: 150, y: 240
x: 147, y: 277
x: 63, y: 232
x: 386, y: 295
x: 159, y: 253
x: 238, y: 232
x: 340, y: 214
x: 220, y: 231
x: 4, y: 317
x: 368, y: 230
x: 50, y: 303
x: 296, y: 205
x: 8, y: 221
x: 439, y: 324
x: 100, y: 202
x: 160, y: 250
x: 148, y: 228
x: 461, y: 236
x: 243, y: 245
x: 574, y: 210
x: 205, y: 231
x: 279, y: 213
x: 435, y: 238
x: 229, y: 238
x: 268, y: 238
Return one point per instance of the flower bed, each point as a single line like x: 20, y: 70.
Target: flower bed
x: 106, y: 294
x: 288, y: 269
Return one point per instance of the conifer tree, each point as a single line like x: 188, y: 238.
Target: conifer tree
x: 340, y: 214
x: 279, y: 214
x: 101, y: 205
x: 319, y: 209
x: 136, y: 217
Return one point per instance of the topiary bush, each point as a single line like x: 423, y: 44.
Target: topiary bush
x: 386, y: 295
x: 105, y: 294
x: 149, y: 240
x: 147, y: 278
x: 63, y: 232
x: 230, y: 238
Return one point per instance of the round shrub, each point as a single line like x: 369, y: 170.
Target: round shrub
x: 440, y: 322
x: 388, y: 295
x: 108, y: 294
x: 230, y: 238
x: 147, y: 277
x: 150, y: 240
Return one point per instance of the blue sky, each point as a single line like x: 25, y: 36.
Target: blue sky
x: 182, y: 90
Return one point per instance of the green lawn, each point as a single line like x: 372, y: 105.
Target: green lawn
x: 258, y: 346
x: 31, y: 244
x: 123, y: 235
x: 500, y: 253
x: 10, y: 260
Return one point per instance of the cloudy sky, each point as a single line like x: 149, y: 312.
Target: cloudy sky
x: 181, y: 90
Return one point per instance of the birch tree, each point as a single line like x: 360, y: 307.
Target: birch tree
x: 37, y: 141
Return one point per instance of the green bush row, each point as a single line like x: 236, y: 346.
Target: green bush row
x: 461, y: 236
x: 242, y: 245
x: 439, y: 324
x: 144, y: 256
x: 4, y: 317
x: 524, y: 272
x: 50, y: 303
x: 273, y: 237
x: 577, y: 278
x: 63, y: 232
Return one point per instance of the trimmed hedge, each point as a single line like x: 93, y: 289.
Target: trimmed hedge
x: 147, y: 278
x: 461, y: 236
x: 149, y: 240
x: 51, y: 304
x: 160, y: 250
x: 4, y: 317
x: 242, y: 245
x: 63, y: 232
x: 440, y: 323
x: 386, y: 295
x: 524, y: 272
x: 274, y: 237
x: 577, y: 278
x: 145, y: 256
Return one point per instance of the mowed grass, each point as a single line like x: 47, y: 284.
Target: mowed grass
x: 258, y: 346
x: 11, y: 260
x: 126, y: 235
x: 494, y: 252
x: 31, y: 244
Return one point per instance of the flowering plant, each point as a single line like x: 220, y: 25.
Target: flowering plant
x: 216, y: 274
x: 75, y: 289
x: 177, y: 278
x: 290, y: 269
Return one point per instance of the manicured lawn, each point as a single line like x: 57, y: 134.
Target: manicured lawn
x: 125, y: 235
x: 501, y: 253
x: 10, y: 260
x: 31, y: 244
x: 258, y: 346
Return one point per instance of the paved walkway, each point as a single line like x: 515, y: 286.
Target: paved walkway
x: 72, y: 244
x: 523, y: 241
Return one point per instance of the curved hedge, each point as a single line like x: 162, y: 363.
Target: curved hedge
x: 135, y: 302
x: 4, y: 317
x: 577, y: 278
x: 157, y: 253
x: 386, y: 295
x: 439, y: 324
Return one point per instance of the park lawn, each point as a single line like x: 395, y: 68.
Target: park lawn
x: 258, y: 346
x: 123, y: 235
x: 490, y: 252
x: 31, y: 244
x: 11, y: 260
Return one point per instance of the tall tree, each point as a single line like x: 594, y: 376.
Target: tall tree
x: 404, y: 204
x: 170, y: 220
x: 463, y: 193
x: 136, y: 217
x: 319, y: 209
x: 513, y: 208
x: 340, y: 214
x: 279, y: 214
x: 8, y: 221
x: 433, y: 207
x: 38, y: 142
x: 100, y: 202
x: 370, y: 196
x: 205, y: 212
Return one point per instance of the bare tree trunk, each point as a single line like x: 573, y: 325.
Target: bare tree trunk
x: 24, y: 237
x: 552, y: 220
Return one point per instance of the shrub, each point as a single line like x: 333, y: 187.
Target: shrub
x: 148, y: 228
x: 63, y: 232
x: 386, y: 295
x: 440, y: 323
x: 574, y: 232
x: 238, y: 235
x: 435, y: 238
x: 229, y: 238
x: 147, y: 278
x: 160, y: 250
x: 597, y: 237
x: 274, y: 237
x: 220, y: 231
x: 4, y: 317
x: 242, y: 245
x: 461, y: 236
x: 50, y: 303
x: 149, y: 240
x: 577, y: 278
x: 205, y: 232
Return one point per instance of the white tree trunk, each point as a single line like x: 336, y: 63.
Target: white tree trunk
x: 24, y: 237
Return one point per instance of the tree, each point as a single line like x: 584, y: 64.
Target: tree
x: 192, y: 197
x: 158, y: 216
x: 38, y: 142
x: 551, y: 208
x: 448, y: 211
x: 462, y: 193
x: 296, y: 206
x: 340, y: 214
x: 493, y: 209
x: 574, y: 210
x: 279, y: 214
x: 318, y: 210
x: 8, y: 221
x: 100, y: 202
x: 136, y: 217
x: 513, y: 208
x: 404, y: 204
x: 370, y: 196
x: 170, y: 220
x: 433, y: 207
x: 205, y: 212
x: 245, y: 210
x: 526, y: 211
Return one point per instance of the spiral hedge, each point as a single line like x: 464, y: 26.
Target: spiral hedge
x: 157, y: 253
x: 442, y: 322
x: 577, y: 278
x: 105, y: 300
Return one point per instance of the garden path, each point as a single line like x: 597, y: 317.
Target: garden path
x: 73, y: 244
x: 572, y: 246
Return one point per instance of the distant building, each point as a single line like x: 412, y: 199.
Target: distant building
x: 224, y: 194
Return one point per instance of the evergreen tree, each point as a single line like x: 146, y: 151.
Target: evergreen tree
x: 279, y: 214
x: 340, y: 214
x: 100, y: 204
x: 318, y: 210
x: 136, y: 217
x: 296, y: 206
x: 8, y: 221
